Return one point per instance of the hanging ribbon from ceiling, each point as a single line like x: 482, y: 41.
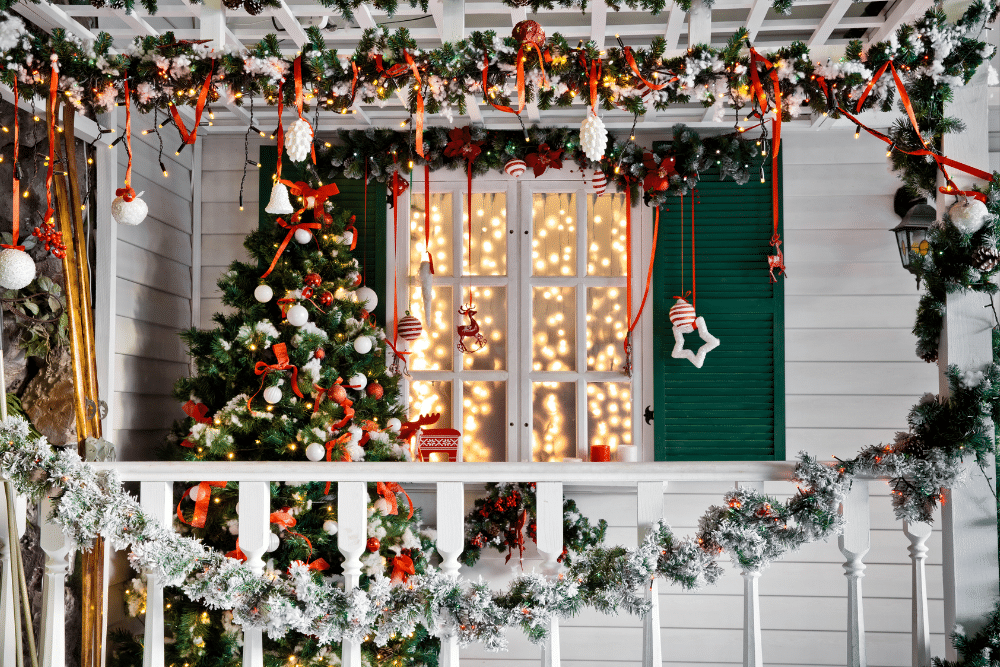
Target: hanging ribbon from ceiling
x: 633, y: 323
x: 189, y: 137
x: 300, y: 100
x: 127, y: 193
x: 16, y: 168
x: 776, y: 261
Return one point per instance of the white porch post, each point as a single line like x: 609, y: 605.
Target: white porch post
x: 753, y: 649
x: 7, y: 582
x: 918, y: 533
x: 352, y: 504
x: 57, y: 550
x: 549, y: 502
x: 255, y: 536
x: 157, y: 500
x: 650, y: 510
x: 854, y: 544
x: 450, y: 542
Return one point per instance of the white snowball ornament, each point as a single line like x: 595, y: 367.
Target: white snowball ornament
x: 330, y: 527
x: 393, y: 424
x: 363, y: 345
x: 315, y: 452
x: 367, y: 298
x: 263, y: 293
x: 298, y: 140
x: 17, y: 269
x: 273, y: 542
x: 347, y: 238
x: 969, y: 215
x: 129, y: 212
x: 358, y: 381
x: 297, y: 315
x: 303, y: 236
x: 272, y: 395
x: 593, y: 137
x: 279, y: 203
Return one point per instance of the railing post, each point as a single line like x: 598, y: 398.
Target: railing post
x: 753, y: 648
x: 7, y: 644
x: 156, y: 499
x: 854, y: 544
x: 352, y: 506
x: 450, y: 542
x: 549, y: 502
x: 918, y: 534
x: 57, y: 549
x: 650, y: 510
x: 255, y: 536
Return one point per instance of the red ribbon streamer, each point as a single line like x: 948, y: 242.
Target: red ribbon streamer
x: 192, y: 136
x: 427, y: 215
x: 628, y: 269
x: 630, y: 59
x: 595, y: 76
x: 388, y: 491
x: 16, y: 202
x: 53, y: 89
x: 419, y: 120
x: 127, y: 193
x: 200, y: 504
x: 299, y: 100
x: 288, y: 237
x: 775, y: 201
x: 281, y: 353
x: 197, y: 412
x: 520, y: 77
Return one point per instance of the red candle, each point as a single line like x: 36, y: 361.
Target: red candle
x: 600, y: 453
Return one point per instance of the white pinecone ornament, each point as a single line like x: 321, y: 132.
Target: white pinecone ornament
x: 298, y: 140
x: 593, y: 137
x: 17, y: 269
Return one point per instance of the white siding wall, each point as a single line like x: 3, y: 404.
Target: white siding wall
x: 154, y: 289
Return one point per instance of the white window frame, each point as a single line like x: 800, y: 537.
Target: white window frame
x: 519, y: 282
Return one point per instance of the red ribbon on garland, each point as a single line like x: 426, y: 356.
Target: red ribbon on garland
x: 16, y: 202
x: 200, y: 504
x: 630, y: 59
x: 53, y: 89
x: 288, y: 237
x: 127, y: 193
x: 388, y: 491
x: 777, y: 260
x: 299, y: 100
x: 192, y: 136
x: 520, y: 77
x: 260, y: 368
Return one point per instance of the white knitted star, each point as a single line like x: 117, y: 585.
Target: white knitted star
x: 711, y: 342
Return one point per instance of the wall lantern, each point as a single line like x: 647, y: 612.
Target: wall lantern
x: 911, y: 237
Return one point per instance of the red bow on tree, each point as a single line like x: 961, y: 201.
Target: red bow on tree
x: 197, y: 412
x: 402, y: 567
x: 460, y: 144
x: 388, y: 491
x: 545, y: 157
x: 312, y: 199
x: 658, y: 173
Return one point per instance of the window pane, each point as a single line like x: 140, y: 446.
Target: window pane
x: 430, y: 397
x: 484, y: 425
x: 434, y: 350
x: 605, y: 328
x: 553, y: 245
x: 606, y: 235
x: 441, y: 231
x: 489, y: 235
x: 491, y: 315
x: 553, y: 328
x: 609, y: 414
x: 553, y: 406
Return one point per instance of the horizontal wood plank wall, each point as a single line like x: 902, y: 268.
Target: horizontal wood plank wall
x: 153, y: 293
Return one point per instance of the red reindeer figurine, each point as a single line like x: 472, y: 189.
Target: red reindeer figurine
x: 470, y: 330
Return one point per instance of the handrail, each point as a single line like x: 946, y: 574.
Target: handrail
x: 593, y: 473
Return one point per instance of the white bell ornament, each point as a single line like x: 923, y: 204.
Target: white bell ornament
x: 263, y: 293
x: 129, y: 212
x: 298, y: 140
x: 279, y: 203
x: 17, y: 269
x: 367, y: 298
x: 315, y: 452
x: 297, y: 315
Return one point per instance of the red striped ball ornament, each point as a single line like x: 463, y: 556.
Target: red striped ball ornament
x: 597, y: 183
x: 682, y: 316
x: 644, y: 91
x: 515, y: 167
x: 409, y: 328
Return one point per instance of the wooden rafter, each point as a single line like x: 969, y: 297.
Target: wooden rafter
x: 830, y: 20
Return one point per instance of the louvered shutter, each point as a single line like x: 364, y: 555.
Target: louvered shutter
x: 370, y: 251
x: 731, y: 409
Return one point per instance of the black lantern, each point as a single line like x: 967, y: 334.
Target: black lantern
x: 911, y: 236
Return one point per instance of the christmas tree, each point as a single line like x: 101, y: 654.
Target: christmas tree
x: 297, y: 372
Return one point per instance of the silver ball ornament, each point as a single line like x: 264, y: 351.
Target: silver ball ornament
x: 303, y: 236
x: 367, y: 298
x: 358, y: 381
x: 393, y: 424
x: 330, y: 527
x: 969, y: 215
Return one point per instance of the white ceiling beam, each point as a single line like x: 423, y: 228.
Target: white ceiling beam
x: 363, y: 15
x: 758, y: 10
x: 699, y: 23
x: 829, y: 23
x: 212, y: 26
x: 903, y: 11
x: 291, y: 24
x: 449, y: 22
x: 48, y: 17
x: 675, y: 25
x: 598, y: 22
x: 138, y: 24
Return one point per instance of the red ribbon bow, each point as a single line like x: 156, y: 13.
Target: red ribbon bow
x: 197, y: 412
x: 288, y: 237
x: 402, y: 568
x: 200, y: 505
x: 388, y: 491
x: 237, y: 553
x: 312, y: 199
x: 281, y: 353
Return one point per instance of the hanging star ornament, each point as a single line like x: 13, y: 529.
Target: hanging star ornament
x: 711, y: 342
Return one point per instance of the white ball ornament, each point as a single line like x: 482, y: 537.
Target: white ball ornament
x: 393, y: 424
x: 273, y: 542
x: 272, y: 395
x: 363, y: 345
x: 303, y: 236
x: 17, y: 269
x: 367, y: 298
x: 330, y: 527
x: 297, y: 315
x: 347, y: 238
x: 315, y: 452
x: 195, y: 493
x: 263, y: 293
x: 969, y: 215
x: 129, y: 212
x: 593, y: 137
x: 298, y: 140
x: 358, y: 381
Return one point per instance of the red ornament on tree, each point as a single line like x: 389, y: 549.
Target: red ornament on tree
x: 337, y: 393
x: 375, y: 390
x: 528, y: 31
x: 326, y: 298
x: 319, y: 353
x: 658, y: 173
x: 373, y: 544
x: 544, y: 158
x: 313, y: 279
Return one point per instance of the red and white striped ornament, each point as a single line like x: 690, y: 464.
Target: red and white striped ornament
x: 515, y: 167
x: 597, y: 182
x: 682, y: 316
x: 644, y: 91
x: 409, y: 328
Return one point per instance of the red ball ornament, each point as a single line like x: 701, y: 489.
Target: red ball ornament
x: 337, y: 393
x: 529, y: 31
x: 373, y: 544
x: 375, y: 390
x: 326, y: 298
x: 313, y: 279
x: 319, y: 353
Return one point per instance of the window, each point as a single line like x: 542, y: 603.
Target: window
x: 547, y: 276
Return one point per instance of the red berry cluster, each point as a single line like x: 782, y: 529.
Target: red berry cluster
x: 51, y: 239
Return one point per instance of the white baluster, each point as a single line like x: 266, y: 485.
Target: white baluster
x: 753, y: 649
x: 156, y: 499
x: 450, y: 542
x: 352, y: 537
x: 549, y: 525
x: 918, y: 534
x: 854, y: 544
x: 650, y: 510
x: 57, y: 549
x: 255, y: 536
x: 7, y: 644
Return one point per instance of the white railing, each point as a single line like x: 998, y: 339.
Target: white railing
x: 650, y: 481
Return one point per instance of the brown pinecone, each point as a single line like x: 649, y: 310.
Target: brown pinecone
x: 232, y: 4
x: 985, y: 258
x: 930, y: 357
x: 253, y: 7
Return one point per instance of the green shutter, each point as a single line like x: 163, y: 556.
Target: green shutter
x: 370, y: 251
x: 733, y: 407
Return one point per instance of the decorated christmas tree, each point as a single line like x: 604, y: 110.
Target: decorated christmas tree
x: 297, y: 372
